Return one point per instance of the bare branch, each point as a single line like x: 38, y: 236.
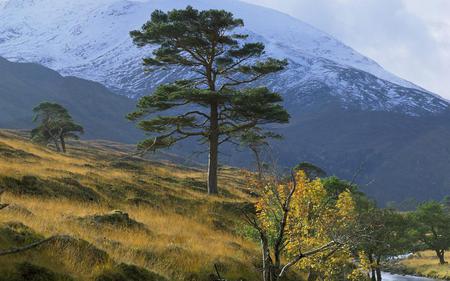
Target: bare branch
x: 29, y: 247
x: 305, y: 255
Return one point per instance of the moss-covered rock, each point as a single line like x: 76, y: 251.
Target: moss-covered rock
x: 116, y: 218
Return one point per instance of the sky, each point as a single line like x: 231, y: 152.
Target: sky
x: 410, y: 38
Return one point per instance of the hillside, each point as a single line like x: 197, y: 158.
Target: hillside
x: 349, y: 115
x: 25, y: 85
x: 153, y: 215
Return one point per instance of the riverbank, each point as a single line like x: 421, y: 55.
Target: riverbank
x: 396, y: 277
x: 423, y: 264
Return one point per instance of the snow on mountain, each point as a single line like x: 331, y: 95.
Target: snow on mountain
x: 89, y: 39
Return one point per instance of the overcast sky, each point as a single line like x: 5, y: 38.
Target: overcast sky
x: 410, y: 38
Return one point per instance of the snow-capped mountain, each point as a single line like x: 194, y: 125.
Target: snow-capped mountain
x: 90, y: 39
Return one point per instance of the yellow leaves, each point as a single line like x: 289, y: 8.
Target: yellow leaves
x: 359, y: 273
x: 314, y: 219
x: 346, y: 206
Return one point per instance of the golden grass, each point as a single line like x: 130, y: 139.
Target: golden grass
x: 427, y: 264
x: 181, y: 239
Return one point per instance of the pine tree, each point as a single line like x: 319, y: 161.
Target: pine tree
x: 431, y: 227
x: 218, y: 101
x: 55, y: 125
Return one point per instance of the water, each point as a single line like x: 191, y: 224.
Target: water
x: 392, y: 277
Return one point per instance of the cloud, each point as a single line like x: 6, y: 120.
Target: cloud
x: 410, y: 38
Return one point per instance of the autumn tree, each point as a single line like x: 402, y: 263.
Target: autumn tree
x: 432, y: 227
x: 217, y: 99
x: 55, y: 125
x: 297, y: 223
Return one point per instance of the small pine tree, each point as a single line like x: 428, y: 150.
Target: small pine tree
x: 55, y: 125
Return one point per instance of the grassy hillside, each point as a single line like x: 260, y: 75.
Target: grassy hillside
x: 113, y: 212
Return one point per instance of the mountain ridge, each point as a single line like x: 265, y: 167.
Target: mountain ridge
x: 93, y: 43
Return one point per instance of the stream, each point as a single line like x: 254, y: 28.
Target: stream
x: 393, y: 277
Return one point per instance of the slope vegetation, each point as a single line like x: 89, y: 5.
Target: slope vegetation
x: 141, y: 219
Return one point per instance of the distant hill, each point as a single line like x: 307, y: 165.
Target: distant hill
x: 23, y: 86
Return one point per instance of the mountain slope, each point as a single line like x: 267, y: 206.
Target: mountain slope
x: 392, y: 156
x: 102, y: 113
x: 89, y: 39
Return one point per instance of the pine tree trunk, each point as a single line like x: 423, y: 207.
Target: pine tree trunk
x: 213, y: 150
x: 258, y: 164
x: 55, y: 141
x: 441, y: 256
x: 63, y: 144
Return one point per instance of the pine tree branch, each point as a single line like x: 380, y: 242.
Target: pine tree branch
x: 196, y: 112
x: 236, y: 82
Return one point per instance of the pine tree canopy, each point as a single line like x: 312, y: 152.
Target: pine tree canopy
x: 219, y: 100
x: 55, y: 125
x: 222, y: 63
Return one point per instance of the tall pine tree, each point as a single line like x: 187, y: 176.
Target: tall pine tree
x: 217, y: 102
